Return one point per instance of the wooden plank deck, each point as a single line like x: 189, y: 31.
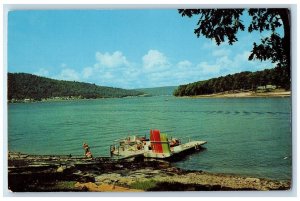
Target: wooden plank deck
x: 187, y: 146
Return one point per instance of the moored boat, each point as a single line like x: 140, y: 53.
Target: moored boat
x: 157, y: 146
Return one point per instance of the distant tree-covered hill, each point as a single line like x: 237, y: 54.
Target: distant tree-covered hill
x: 158, y: 91
x: 239, y: 81
x: 26, y: 86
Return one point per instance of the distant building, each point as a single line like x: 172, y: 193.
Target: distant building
x: 271, y: 86
x: 267, y: 87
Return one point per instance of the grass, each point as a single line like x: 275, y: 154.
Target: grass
x: 65, y: 185
x: 60, y: 186
x: 144, y: 185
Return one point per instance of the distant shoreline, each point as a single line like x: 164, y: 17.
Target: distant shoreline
x: 249, y: 94
x: 60, y: 99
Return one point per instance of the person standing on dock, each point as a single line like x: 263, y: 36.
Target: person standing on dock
x: 87, y: 151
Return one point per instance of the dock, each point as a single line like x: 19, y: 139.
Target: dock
x: 188, y: 146
x: 180, y: 149
x: 169, y: 152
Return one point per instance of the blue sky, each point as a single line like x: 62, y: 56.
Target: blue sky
x: 122, y: 48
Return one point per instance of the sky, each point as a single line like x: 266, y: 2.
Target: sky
x: 122, y: 48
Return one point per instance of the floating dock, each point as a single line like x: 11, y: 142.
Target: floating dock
x: 158, y: 146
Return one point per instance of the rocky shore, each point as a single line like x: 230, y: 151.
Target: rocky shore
x: 34, y: 173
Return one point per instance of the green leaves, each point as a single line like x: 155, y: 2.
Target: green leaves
x: 265, y: 19
x: 271, y: 48
x: 217, y: 24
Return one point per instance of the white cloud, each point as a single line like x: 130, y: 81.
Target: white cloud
x: 155, y: 61
x: 68, y: 74
x: 221, y: 52
x: 155, y: 69
x: 184, y: 64
x: 111, y: 60
x: 42, y: 72
x: 107, y: 76
x: 225, y: 62
x: 242, y: 57
x: 87, y: 72
x: 112, y: 69
x: 206, y: 68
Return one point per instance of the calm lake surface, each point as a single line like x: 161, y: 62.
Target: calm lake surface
x: 246, y: 136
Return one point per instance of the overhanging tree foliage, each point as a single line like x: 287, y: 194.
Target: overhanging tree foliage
x: 224, y: 24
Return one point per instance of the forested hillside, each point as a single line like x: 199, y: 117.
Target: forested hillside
x: 158, y: 91
x: 239, y: 81
x: 26, y: 86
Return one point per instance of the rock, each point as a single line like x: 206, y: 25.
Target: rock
x: 61, y: 168
x: 102, y: 171
x: 104, y: 187
x: 255, y: 180
x: 81, y: 187
x: 78, y: 172
x: 108, y: 177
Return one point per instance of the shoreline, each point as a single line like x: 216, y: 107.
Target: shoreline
x: 250, y: 94
x: 61, y: 99
x: 65, y: 99
x: 41, y: 173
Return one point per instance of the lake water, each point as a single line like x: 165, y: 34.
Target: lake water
x: 246, y: 136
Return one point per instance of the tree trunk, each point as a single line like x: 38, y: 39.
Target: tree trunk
x: 285, y: 17
x: 286, y: 41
